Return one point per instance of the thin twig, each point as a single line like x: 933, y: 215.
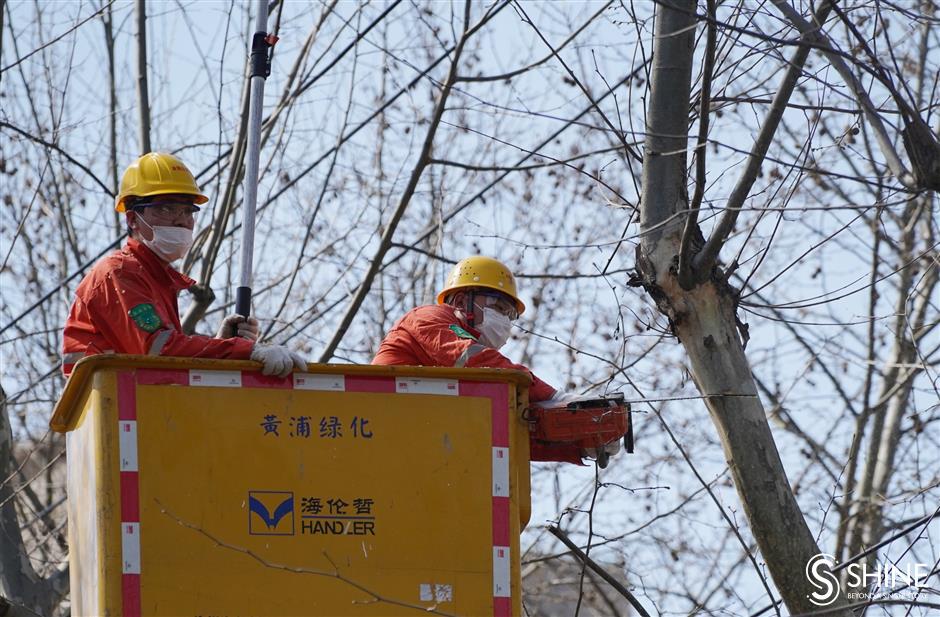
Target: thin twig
x: 45, y: 144
x: 423, y: 158
x: 22, y: 486
x: 590, y: 563
x: 731, y: 524
x: 295, y: 569
x: 525, y: 69
x: 620, y: 135
x: 705, y: 260
x: 58, y: 38
x: 812, y: 33
x: 9, y: 608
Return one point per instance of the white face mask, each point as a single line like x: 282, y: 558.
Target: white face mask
x: 495, y: 328
x: 170, y: 243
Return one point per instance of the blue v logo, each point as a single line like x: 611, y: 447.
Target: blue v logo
x: 271, y: 513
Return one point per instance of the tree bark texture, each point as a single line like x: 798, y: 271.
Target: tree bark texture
x: 20, y: 586
x: 705, y: 321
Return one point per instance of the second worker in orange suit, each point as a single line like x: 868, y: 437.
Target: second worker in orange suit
x: 470, y: 322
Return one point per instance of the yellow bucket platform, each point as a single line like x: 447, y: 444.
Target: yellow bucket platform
x: 201, y: 487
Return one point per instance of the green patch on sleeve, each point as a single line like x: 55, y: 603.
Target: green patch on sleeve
x: 146, y: 318
x: 461, y: 333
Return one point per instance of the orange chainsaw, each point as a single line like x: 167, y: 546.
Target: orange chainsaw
x: 589, y: 423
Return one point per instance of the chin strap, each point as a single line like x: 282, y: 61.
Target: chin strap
x: 468, y: 309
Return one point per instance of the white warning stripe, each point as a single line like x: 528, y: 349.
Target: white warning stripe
x: 130, y: 548
x: 501, y: 572
x: 410, y: 385
x: 127, y: 444
x: 216, y: 379
x: 309, y: 381
x: 500, y: 472
x: 435, y: 592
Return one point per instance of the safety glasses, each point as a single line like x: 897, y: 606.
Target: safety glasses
x: 169, y: 210
x: 499, y: 302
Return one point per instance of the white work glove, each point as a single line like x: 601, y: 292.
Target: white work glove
x: 277, y: 360
x: 611, y: 449
x: 563, y: 397
x: 236, y: 325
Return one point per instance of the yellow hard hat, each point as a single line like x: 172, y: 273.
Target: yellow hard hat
x: 157, y: 173
x: 479, y: 271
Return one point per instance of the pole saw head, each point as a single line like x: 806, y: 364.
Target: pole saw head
x: 589, y: 423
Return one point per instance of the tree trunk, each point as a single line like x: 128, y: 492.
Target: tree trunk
x: 107, y: 19
x: 705, y: 321
x: 143, y: 97
x: 20, y: 586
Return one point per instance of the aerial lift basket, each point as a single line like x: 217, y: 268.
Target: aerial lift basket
x: 201, y: 487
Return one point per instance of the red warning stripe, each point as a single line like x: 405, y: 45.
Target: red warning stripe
x: 127, y: 396
x: 130, y: 594
x: 497, y: 393
x: 161, y: 377
x: 130, y: 497
x: 130, y: 488
x: 254, y: 379
x: 499, y: 404
x: 361, y: 383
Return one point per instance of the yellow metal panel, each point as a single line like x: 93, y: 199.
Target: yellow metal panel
x: 268, y: 499
x: 359, y: 504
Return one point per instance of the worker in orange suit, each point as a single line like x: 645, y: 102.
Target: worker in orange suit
x: 470, y: 322
x: 127, y: 303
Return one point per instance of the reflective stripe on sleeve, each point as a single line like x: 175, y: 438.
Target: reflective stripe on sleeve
x: 468, y: 353
x: 69, y: 360
x: 72, y: 357
x: 158, y: 342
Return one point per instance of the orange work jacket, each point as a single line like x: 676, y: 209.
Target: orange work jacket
x: 432, y: 335
x: 127, y: 304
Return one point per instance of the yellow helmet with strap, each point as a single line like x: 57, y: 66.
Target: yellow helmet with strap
x: 485, y: 272
x: 157, y: 173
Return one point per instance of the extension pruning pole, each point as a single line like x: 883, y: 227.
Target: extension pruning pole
x: 260, y: 64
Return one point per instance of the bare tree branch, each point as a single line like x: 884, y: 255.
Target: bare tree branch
x: 686, y: 278
x: 335, y: 573
x: 55, y: 40
x: 705, y: 260
x: 424, y: 158
x: 580, y: 556
x: 51, y: 146
x: 814, y: 34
